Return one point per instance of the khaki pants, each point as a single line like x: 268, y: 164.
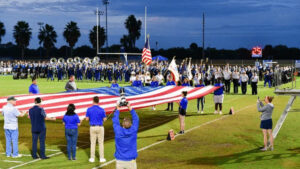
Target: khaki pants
x: 126, y: 164
x: 97, y: 132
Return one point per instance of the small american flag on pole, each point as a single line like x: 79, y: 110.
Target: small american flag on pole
x: 146, y: 55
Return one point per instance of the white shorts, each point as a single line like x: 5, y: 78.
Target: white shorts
x: 218, y: 98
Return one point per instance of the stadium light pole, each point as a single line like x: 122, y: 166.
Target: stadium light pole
x: 98, y: 14
x: 106, y: 2
x: 40, y: 24
x: 203, y: 22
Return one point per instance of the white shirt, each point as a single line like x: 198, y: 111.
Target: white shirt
x: 255, y: 79
x: 147, y: 79
x: 244, y: 78
x: 226, y: 75
x: 132, y: 78
x: 159, y: 78
x: 235, y: 75
x: 10, y: 114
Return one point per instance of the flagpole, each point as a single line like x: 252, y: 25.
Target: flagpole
x: 145, y: 23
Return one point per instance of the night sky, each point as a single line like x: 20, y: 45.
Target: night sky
x: 230, y: 24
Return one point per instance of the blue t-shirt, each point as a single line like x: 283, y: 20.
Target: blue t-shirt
x: 200, y: 85
x: 71, y: 122
x: 114, y: 85
x: 184, y: 103
x: 170, y: 83
x: 137, y: 83
x: 34, y: 89
x: 220, y: 90
x: 185, y: 84
x: 95, y: 115
x: 154, y: 84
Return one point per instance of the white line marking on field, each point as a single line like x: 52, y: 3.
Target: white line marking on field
x: 20, y: 165
x: 9, y: 161
x: 162, y: 141
x: 51, y: 150
x: 25, y: 155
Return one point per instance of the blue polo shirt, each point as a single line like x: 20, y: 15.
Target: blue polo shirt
x: 200, y: 85
x: 185, y: 84
x: 96, y: 115
x: 154, y: 84
x: 220, y: 90
x: 114, y: 85
x: 137, y: 83
x: 184, y: 103
x: 71, y: 122
x: 34, y: 89
x: 37, y: 117
x: 170, y: 83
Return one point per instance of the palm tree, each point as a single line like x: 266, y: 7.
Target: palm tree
x: 22, y: 34
x: 2, y: 31
x: 71, y: 34
x: 101, y: 36
x: 47, y: 36
x: 134, y: 29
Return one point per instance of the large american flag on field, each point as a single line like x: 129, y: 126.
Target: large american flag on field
x: 146, y: 55
x: 55, y: 105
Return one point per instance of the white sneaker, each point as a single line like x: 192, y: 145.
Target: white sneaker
x: 202, y: 112
x: 102, y: 160
x: 220, y: 112
x: 198, y: 111
x: 18, y: 156
x: 153, y: 108
x: 7, y: 156
x: 215, y: 112
x: 91, y: 160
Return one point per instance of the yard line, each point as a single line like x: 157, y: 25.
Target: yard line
x: 189, y: 130
x: 9, y: 161
x: 25, y: 155
x: 51, y: 150
x: 20, y: 165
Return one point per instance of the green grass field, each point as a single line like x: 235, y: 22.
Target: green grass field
x: 212, y: 141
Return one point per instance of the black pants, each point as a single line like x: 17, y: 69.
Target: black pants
x: 170, y: 106
x: 227, y: 86
x: 244, y: 87
x: 42, y: 137
x: 200, y: 100
x: 236, y: 85
x: 254, y: 88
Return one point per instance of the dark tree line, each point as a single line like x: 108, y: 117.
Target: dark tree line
x: 47, y: 36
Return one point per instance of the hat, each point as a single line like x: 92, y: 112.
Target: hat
x: 11, y: 98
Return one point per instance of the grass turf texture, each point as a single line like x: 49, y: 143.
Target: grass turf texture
x: 231, y: 142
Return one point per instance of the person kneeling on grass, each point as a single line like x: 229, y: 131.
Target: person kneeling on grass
x: 71, y: 122
x: 182, y: 111
x: 219, y: 97
x: 266, y: 121
x: 126, y: 139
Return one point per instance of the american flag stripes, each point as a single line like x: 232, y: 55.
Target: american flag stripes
x: 146, y: 55
x: 56, y: 104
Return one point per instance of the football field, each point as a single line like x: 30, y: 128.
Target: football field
x: 211, y: 141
